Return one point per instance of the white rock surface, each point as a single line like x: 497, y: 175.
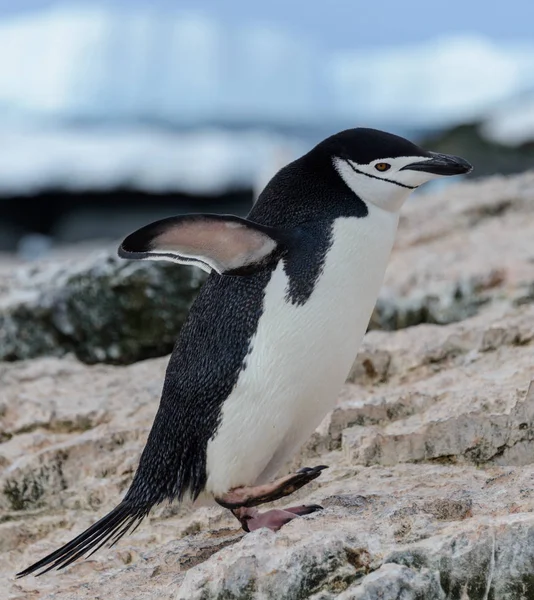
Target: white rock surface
x: 430, y: 491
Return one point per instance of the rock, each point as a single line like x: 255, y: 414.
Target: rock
x: 488, y: 559
x: 396, y: 581
x: 78, y: 421
x: 430, y: 490
x: 422, y: 384
x: 271, y: 566
x: 445, y: 542
x: 102, y: 309
x: 452, y: 278
x: 442, y: 304
x: 445, y: 416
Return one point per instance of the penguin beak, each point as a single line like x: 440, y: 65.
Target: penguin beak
x: 441, y: 164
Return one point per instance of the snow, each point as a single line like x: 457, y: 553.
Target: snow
x: 137, y: 62
x: 511, y: 123
x: 130, y: 62
x: 120, y: 67
x: 442, y: 82
x: 206, y: 162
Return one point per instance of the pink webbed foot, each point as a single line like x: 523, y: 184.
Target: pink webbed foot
x: 252, y: 519
x: 243, y: 500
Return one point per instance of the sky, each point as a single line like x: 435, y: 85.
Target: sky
x: 353, y: 24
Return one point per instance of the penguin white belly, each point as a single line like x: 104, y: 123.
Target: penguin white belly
x: 300, y: 355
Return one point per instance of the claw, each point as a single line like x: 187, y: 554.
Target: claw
x: 308, y: 469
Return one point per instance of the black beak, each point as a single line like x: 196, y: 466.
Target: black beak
x: 441, y: 164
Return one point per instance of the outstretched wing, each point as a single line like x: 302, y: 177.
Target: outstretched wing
x: 223, y: 243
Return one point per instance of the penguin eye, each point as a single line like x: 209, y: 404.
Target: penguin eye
x: 382, y: 167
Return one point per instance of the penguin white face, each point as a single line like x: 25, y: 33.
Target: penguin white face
x: 382, y: 182
x: 384, y: 169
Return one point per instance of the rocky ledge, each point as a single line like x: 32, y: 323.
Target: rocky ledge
x: 430, y: 490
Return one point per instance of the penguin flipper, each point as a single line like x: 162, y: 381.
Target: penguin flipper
x: 226, y: 244
x: 112, y: 527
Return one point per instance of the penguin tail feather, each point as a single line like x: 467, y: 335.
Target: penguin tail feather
x: 110, y: 528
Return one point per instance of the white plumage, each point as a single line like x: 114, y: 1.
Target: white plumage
x: 301, y: 355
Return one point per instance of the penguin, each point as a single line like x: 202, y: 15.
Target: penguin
x: 272, y: 334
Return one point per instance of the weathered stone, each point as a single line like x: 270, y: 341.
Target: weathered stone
x: 460, y: 250
x: 396, y: 581
x: 265, y: 565
x: 489, y: 558
x: 496, y: 429
x: 102, y: 309
x: 443, y: 303
x: 408, y: 539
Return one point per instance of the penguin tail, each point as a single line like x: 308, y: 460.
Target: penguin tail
x: 124, y: 518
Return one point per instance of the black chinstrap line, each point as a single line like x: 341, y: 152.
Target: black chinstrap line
x: 409, y: 187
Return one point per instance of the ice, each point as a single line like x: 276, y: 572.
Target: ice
x: 79, y: 85
x: 439, y: 83
x: 93, y: 61
x: 208, y: 161
x: 511, y: 123
x: 135, y: 62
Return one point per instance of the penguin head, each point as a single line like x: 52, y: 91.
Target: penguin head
x: 382, y: 168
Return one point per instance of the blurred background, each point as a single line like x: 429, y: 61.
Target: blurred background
x: 119, y: 112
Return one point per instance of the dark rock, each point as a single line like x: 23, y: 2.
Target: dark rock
x: 104, y: 310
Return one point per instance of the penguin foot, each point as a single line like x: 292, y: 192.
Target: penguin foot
x: 252, y: 518
x: 260, y: 494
